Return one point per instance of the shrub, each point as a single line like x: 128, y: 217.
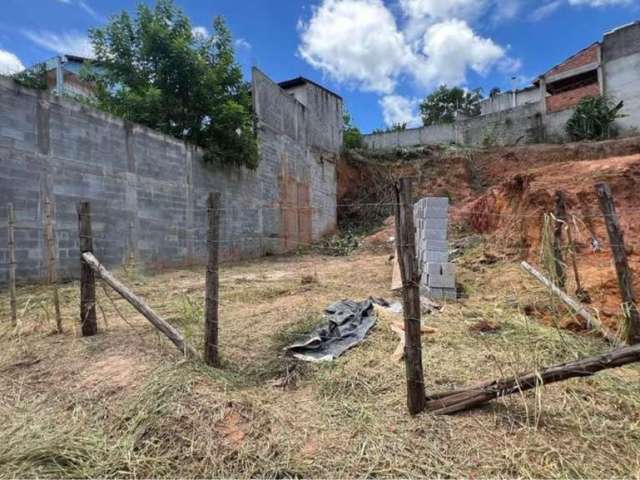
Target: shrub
x: 35, y: 77
x: 594, y: 119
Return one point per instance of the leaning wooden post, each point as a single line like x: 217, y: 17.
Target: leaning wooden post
x: 11, y: 227
x: 88, y: 320
x: 625, y: 280
x: 211, y: 353
x: 592, y: 320
x: 560, y: 222
x: 52, y: 275
x: 406, y: 237
x: 172, y: 333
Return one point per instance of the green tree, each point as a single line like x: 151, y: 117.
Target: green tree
x: 352, y: 137
x: 157, y: 72
x: 441, y: 106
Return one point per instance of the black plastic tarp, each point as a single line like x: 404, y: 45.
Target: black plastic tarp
x: 346, y: 325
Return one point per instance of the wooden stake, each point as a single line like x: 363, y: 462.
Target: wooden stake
x: 52, y: 275
x: 560, y: 222
x: 171, y: 333
x: 88, y: 319
x: 11, y: 227
x: 211, y: 354
x: 406, y: 237
x: 571, y: 303
x: 581, y: 293
x: 625, y: 279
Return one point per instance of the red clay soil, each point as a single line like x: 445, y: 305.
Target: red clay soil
x: 512, y: 213
x: 504, y: 193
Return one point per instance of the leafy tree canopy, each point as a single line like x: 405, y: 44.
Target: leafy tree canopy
x: 441, y: 106
x: 157, y: 72
x: 352, y: 137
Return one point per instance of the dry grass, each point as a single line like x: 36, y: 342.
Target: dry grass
x: 123, y: 404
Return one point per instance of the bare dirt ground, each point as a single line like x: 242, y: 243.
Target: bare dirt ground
x: 124, y: 404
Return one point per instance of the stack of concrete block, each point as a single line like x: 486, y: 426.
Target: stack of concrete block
x: 438, y: 276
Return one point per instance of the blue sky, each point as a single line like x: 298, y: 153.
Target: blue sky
x: 382, y: 56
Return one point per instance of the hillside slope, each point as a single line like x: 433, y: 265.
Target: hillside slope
x: 504, y: 194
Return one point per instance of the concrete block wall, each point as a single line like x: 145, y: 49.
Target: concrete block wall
x: 621, y: 58
x: 523, y: 124
x: 148, y: 191
x: 509, y: 127
x: 505, y: 100
x: 411, y: 137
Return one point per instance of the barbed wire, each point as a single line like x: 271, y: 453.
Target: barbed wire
x: 453, y: 212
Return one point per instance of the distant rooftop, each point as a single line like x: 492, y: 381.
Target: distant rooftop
x: 300, y: 81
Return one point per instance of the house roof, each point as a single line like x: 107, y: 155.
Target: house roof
x: 51, y: 63
x: 300, y: 81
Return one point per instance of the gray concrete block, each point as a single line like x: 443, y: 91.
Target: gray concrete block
x: 435, y: 224
x: 435, y: 257
x: 436, y: 213
x: 437, y: 203
x: 440, y: 293
x: 437, y: 246
x: 435, y: 234
x: 441, y: 275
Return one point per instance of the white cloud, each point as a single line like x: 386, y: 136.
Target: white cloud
x: 443, y: 9
x: 357, y: 42
x: 546, y: 10
x: 200, y: 31
x: 243, y: 44
x: 550, y: 7
x: 9, y: 63
x: 600, y: 3
x: 83, y: 5
x: 71, y: 43
x: 507, y: 10
x: 399, y: 110
x: 89, y: 10
x: 451, y: 48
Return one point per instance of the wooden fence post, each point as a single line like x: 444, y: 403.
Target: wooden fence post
x: 405, y: 241
x: 52, y: 275
x: 581, y: 293
x: 88, y: 320
x: 211, y: 353
x: 11, y: 228
x: 625, y: 280
x: 560, y: 222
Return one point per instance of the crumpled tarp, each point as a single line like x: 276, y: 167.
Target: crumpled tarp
x: 347, y: 324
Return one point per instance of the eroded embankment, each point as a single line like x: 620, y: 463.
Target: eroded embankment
x: 504, y: 195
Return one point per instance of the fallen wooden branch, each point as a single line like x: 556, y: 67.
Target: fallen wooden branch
x: 448, y: 403
x: 572, y: 304
x: 170, y: 332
